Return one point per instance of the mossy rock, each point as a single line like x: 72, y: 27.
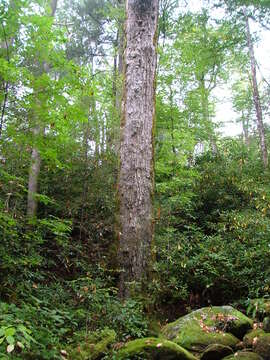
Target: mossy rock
x: 216, y: 352
x: 207, y: 326
x: 93, y: 346
x: 261, y: 346
x: 266, y: 324
x: 243, y: 355
x: 251, y: 335
x: 153, y: 349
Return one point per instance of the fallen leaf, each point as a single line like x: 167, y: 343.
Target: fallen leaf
x: 10, y: 348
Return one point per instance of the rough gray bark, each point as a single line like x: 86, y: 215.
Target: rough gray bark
x: 136, y: 152
x: 256, y: 96
x: 35, y: 155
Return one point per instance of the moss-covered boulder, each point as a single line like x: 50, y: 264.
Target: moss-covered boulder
x: 153, y: 349
x: 243, y: 355
x: 261, y: 345
x: 251, y: 336
x: 266, y: 324
x: 259, y: 341
x: 216, y: 352
x: 206, y: 326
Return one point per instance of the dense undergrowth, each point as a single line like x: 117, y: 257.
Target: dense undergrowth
x: 58, y: 269
x: 59, y: 289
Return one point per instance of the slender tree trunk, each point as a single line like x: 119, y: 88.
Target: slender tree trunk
x: 86, y: 138
x: 172, y: 123
x: 113, y: 136
x: 5, y: 45
x: 33, y: 177
x: 114, y: 84
x: 206, y: 117
x: 245, y: 130
x: 119, y: 86
x: 4, y: 105
x: 256, y: 96
x: 136, y: 185
x: 35, y: 156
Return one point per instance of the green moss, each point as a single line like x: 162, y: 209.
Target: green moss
x: 154, y: 328
x: 266, y: 324
x: 262, y: 346
x: 251, y: 335
x: 153, y: 349
x: 95, y: 345
x: 197, y: 340
x: 206, y: 326
x: 243, y: 355
x: 259, y: 341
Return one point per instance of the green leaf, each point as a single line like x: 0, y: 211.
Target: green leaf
x: 10, y: 340
x: 22, y: 328
x: 10, y: 331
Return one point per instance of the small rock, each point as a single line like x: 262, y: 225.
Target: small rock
x: 251, y: 336
x: 240, y: 346
x: 262, y: 346
x: 244, y: 355
x: 216, y: 352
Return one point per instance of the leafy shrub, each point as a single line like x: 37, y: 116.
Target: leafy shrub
x: 105, y: 309
x: 218, y: 249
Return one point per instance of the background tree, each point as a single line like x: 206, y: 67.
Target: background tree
x: 241, y: 12
x: 38, y: 129
x: 256, y: 96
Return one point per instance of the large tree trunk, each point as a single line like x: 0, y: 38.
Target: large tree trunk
x: 136, y: 185
x: 35, y: 155
x: 256, y: 96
